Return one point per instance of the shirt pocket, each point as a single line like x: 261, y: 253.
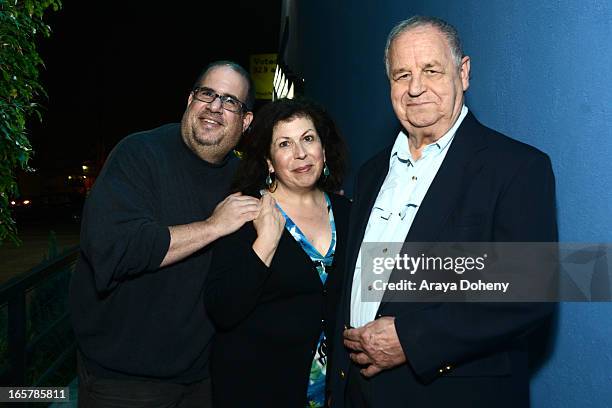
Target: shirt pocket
x: 380, y: 213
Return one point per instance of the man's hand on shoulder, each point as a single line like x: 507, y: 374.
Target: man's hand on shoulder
x: 375, y: 346
x: 231, y: 214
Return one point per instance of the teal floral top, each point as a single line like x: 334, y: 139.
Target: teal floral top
x: 316, y: 382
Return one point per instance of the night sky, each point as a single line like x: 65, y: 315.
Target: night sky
x: 113, y: 68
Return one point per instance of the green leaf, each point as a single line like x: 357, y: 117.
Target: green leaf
x: 21, y: 24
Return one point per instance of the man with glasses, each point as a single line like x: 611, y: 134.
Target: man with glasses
x: 136, y: 295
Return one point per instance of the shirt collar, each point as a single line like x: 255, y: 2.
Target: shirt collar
x: 401, y: 152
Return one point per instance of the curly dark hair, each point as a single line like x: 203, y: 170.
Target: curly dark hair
x: 256, y: 144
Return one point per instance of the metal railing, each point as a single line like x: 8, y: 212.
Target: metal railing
x: 42, y: 290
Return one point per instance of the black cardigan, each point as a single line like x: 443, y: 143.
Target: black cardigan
x: 269, y: 319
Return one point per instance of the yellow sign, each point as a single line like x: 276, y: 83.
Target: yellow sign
x: 262, y: 72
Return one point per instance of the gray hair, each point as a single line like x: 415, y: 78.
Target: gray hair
x: 450, y: 32
x: 250, y: 98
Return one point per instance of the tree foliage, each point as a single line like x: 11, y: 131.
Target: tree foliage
x: 21, y: 23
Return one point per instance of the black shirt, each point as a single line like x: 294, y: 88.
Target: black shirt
x: 131, y: 318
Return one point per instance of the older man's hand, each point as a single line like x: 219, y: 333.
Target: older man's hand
x: 375, y: 346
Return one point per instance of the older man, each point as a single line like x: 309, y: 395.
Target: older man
x: 447, y: 178
x: 137, y: 292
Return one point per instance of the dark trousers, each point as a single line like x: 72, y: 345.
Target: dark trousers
x: 110, y: 393
x: 357, y: 393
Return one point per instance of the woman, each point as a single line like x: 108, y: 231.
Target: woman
x: 273, y: 285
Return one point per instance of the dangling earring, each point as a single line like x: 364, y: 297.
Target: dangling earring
x: 271, y: 184
x: 325, y: 169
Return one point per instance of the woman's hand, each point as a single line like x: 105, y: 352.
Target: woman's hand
x: 269, y: 225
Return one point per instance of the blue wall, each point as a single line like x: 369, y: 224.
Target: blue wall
x: 541, y: 73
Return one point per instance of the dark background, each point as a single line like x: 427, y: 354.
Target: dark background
x: 113, y: 68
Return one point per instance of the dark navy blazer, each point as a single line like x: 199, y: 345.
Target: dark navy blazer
x: 490, y: 188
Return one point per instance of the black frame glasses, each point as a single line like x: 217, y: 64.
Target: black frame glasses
x: 229, y: 103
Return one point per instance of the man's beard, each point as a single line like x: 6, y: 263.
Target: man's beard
x: 202, y: 139
x: 194, y: 132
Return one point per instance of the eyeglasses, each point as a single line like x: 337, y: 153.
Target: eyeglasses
x: 228, y: 103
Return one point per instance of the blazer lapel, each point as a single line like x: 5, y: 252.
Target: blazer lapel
x: 447, y: 186
x: 369, y: 186
x: 446, y: 189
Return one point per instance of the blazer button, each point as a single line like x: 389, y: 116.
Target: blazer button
x: 342, y: 375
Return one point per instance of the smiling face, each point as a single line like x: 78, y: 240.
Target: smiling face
x: 426, y: 84
x: 296, y: 154
x: 208, y: 129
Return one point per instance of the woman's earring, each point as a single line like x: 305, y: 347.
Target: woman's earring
x: 270, y: 184
x: 325, y: 169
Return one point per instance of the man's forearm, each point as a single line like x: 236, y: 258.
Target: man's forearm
x: 189, y: 238
x: 229, y: 215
